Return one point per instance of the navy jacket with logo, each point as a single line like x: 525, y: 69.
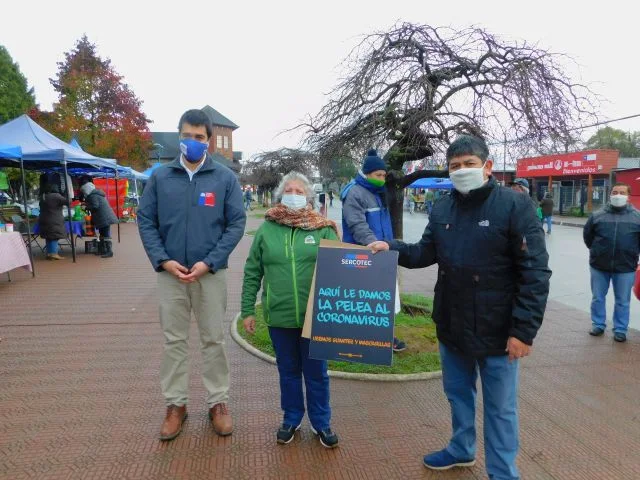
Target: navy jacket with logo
x: 493, y: 274
x: 191, y: 221
x: 613, y: 237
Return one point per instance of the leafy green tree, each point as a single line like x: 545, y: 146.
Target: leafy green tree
x: 627, y: 143
x: 16, y: 97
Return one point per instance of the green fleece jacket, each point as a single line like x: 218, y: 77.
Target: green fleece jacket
x: 283, y: 259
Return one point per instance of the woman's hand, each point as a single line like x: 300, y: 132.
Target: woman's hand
x: 249, y: 324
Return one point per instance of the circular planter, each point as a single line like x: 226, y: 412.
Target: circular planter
x: 377, y: 377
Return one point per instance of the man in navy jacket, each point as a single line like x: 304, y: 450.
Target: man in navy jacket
x: 613, y: 238
x: 191, y: 217
x: 490, y: 298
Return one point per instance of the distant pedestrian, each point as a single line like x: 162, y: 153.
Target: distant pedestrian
x: 51, y: 221
x: 612, y: 235
x: 547, y: 211
x: 331, y: 198
x: 102, y: 216
x: 248, y: 198
x: 521, y: 185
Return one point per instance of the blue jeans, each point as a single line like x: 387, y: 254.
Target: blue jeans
x: 247, y: 204
x: 292, y: 357
x: 622, y: 285
x: 547, y: 220
x: 499, y: 379
x: 52, y: 247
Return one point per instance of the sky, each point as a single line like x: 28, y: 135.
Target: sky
x: 268, y: 65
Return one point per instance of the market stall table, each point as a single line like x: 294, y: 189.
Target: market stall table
x: 13, y: 253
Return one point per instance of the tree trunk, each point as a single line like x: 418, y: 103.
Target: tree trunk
x: 395, y: 195
x: 395, y: 203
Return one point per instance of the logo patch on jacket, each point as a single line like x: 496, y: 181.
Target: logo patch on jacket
x: 207, y: 199
x: 309, y: 240
x: 484, y: 223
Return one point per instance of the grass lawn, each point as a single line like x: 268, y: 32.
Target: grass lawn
x: 418, y: 332
x: 250, y: 232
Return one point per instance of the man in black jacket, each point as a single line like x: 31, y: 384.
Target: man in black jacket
x: 613, y: 238
x: 490, y: 297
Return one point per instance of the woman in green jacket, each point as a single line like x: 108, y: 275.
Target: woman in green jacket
x: 282, y: 258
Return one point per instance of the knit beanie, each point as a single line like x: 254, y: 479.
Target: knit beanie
x: 87, y: 188
x: 373, y: 162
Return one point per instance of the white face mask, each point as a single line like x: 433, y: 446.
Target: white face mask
x: 466, y: 179
x: 619, y: 200
x: 294, y: 202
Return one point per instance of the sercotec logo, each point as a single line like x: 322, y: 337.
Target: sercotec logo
x: 352, y: 260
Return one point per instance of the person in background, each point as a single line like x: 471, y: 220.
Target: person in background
x: 429, y: 198
x: 412, y: 202
x: 278, y: 266
x: 331, y: 198
x: 547, y: 211
x: 365, y: 216
x: 490, y: 299
x: 191, y: 218
x: 248, y: 198
x: 521, y: 185
x: 612, y: 236
x: 51, y: 220
x: 102, y: 216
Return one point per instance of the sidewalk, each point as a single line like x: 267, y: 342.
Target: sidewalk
x: 569, y: 221
x: 80, y: 395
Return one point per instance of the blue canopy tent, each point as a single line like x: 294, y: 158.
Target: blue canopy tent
x: 151, y: 169
x: 432, y: 183
x: 43, y: 151
x: 13, y: 153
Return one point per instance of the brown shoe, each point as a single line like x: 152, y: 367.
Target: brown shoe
x: 173, y: 421
x: 221, y: 419
x: 54, y: 256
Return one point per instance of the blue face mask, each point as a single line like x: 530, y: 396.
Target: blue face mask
x: 192, y: 150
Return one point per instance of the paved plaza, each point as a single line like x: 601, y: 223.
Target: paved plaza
x: 80, y: 394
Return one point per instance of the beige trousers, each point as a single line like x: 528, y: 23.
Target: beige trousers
x: 207, y: 298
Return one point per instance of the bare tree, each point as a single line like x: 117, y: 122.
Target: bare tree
x: 411, y: 90
x: 266, y: 169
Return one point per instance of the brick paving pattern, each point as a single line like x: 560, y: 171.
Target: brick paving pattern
x: 80, y: 395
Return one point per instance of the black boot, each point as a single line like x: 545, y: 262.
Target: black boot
x: 101, y: 248
x: 108, y: 249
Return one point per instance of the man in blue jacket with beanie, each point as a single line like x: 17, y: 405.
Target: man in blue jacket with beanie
x: 365, y: 216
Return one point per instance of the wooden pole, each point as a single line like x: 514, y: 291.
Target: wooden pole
x: 590, y: 194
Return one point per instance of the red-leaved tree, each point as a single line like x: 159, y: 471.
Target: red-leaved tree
x: 97, y: 107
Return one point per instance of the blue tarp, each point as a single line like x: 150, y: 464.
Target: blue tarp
x: 42, y: 150
x: 12, y: 152
x: 74, y: 143
x: 123, y: 172
x: 432, y: 183
x: 150, y: 170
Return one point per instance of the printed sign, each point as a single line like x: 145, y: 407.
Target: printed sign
x: 566, y: 164
x: 354, y: 297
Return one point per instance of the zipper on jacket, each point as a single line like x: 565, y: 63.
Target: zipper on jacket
x: 266, y: 310
x: 615, y: 237
x: 186, y: 230
x: 295, y: 280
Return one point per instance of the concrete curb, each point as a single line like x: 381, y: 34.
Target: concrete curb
x: 568, y: 224
x: 376, y: 377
